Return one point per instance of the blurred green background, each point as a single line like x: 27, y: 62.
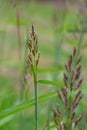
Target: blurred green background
x: 60, y: 26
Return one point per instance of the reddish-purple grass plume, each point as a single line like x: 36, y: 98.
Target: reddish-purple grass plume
x: 65, y: 116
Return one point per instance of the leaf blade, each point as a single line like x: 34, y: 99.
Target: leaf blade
x: 26, y: 105
x: 50, y: 82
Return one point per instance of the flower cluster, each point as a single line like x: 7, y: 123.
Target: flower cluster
x: 31, y: 59
x: 70, y: 95
x: 33, y: 55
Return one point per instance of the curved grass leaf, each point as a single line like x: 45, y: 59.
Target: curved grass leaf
x: 25, y: 105
x: 5, y: 120
x: 44, y: 70
x: 50, y: 82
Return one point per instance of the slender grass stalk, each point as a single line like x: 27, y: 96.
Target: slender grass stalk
x: 18, y: 30
x: 21, y: 77
x: 36, y: 98
x: 36, y: 104
x: 33, y: 59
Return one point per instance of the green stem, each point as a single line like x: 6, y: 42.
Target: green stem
x: 36, y: 106
x: 36, y: 98
x: 18, y: 31
x: 69, y: 114
x: 70, y: 104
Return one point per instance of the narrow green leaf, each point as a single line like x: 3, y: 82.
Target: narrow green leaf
x: 5, y: 120
x: 26, y: 105
x: 44, y: 70
x: 50, y: 82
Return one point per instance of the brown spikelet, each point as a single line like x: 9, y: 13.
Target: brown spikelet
x: 33, y: 55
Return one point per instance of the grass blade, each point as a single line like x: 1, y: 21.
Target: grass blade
x: 47, y: 70
x: 50, y: 82
x: 26, y: 105
x: 6, y: 119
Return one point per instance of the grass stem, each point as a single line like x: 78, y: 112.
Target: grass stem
x: 36, y: 98
x: 36, y: 106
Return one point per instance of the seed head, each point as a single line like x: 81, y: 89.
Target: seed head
x: 69, y: 99
x: 33, y: 54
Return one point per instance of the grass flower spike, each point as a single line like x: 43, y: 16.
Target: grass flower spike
x: 32, y: 61
x: 70, y: 95
x: 33, y: 55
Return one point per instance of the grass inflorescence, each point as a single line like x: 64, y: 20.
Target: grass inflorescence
x: 70, y: 95
x: 32, y: 61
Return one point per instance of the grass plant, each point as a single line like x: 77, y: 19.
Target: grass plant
x: 33, y: 60
x: 70, y: 95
